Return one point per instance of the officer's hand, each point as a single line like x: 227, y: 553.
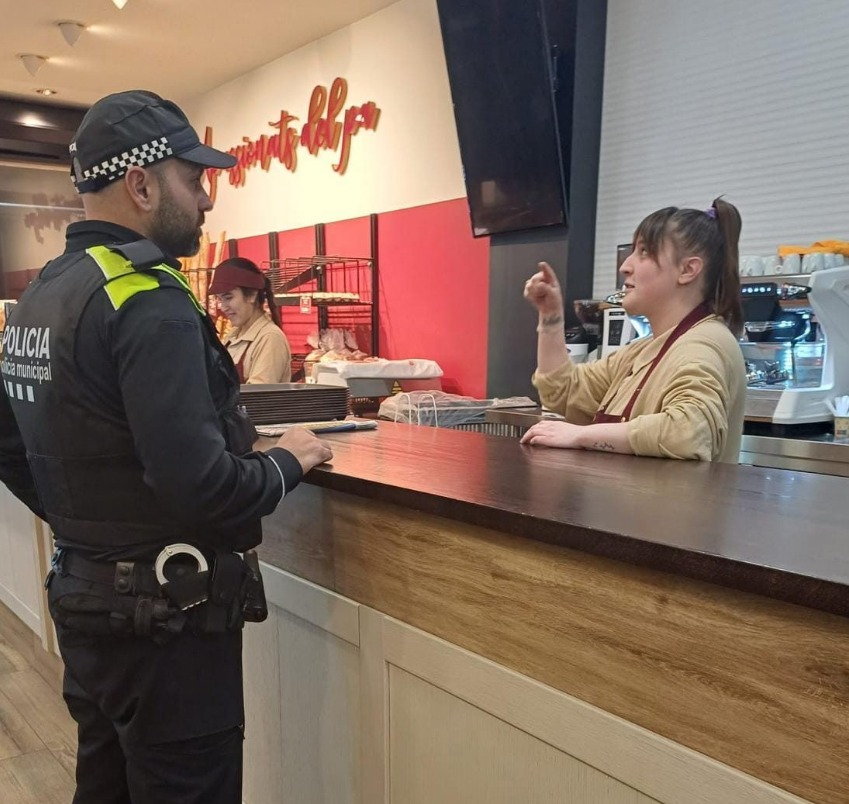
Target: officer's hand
x: 306, y: 447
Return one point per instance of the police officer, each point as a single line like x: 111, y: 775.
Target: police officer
x: 120, y: 425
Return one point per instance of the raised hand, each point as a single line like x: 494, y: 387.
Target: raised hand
x: 542, y: 290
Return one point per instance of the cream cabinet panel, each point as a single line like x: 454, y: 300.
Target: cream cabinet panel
x: 445, y: 750
x: 20, y: 579
x: 263, y: 752
x: 320, y: 714
x: 302, y: 699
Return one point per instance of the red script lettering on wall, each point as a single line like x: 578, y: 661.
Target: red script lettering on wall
x: 323, y: 131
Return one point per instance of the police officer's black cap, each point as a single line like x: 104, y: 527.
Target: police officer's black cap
x: 134, y: 128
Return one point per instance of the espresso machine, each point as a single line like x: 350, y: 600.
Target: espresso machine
x: 796, y: 347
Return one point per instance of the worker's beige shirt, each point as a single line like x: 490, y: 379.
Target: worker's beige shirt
x: 691, y: 407
x: 263, y: 345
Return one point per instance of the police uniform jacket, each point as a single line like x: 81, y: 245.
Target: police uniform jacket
x: 124, y: 405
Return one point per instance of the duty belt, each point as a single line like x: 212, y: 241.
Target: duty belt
x: 159, y: 596
x: 184, y: 585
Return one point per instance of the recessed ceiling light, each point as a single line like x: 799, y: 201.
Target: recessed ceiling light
x: 47, y: 92
x: 71, y: 31
x: 32, y: 62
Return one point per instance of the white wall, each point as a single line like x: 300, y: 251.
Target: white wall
x: 749, y: 99
x: 393, y: 58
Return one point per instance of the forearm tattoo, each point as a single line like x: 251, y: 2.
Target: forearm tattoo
x: 604, y: 446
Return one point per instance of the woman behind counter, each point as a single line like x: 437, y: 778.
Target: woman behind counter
x: 257, y: 343
x: 677, y: 394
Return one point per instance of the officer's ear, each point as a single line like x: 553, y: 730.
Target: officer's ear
x: 142, y: 186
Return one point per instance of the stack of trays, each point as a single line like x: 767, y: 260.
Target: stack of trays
x: 295, y: 402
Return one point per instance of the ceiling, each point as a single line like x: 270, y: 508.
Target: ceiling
x: 177, y: 48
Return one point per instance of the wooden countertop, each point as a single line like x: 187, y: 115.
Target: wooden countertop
x: 771, y: 532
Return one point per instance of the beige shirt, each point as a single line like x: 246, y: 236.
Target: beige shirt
x: 690, y: 408
x: 265, y: 350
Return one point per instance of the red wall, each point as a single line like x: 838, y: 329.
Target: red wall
x: 434, y: 282
x: 254, y: 248
x: 297, y: 326
x: 433, y: 286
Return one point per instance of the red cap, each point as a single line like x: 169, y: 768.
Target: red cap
x: 237, y: 272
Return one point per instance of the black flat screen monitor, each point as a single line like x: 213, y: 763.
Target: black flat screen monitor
x: 500, y: 75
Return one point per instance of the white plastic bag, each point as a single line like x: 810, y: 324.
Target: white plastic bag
x: 440, y: 409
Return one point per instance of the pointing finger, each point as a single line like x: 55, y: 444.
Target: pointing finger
x: 548, y: 274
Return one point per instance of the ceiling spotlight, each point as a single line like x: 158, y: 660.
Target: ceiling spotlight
x: 120, y: 3
x: 32, y: 62
x: 47, y: 92
x: 71, y: 31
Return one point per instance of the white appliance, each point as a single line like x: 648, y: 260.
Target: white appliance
x: 617, y: 331
x: 815, y: 371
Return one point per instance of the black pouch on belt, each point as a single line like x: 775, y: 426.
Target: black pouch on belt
x: 94, y: 614
x: 254, y: 604
x: 186, y: 589
x: 223, y: 610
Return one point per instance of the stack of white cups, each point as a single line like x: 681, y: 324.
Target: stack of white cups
x: 791, y: 264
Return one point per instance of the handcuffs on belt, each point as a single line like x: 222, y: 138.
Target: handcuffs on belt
x: 188, y: 589
x: 185, y: 589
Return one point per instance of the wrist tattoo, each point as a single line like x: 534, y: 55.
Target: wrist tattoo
x: 550, y: 322
x: 604, y: 446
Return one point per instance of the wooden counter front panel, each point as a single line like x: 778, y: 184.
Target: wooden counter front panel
x: 300, y: 539
x: 760, y: 685
x: 445, y: 750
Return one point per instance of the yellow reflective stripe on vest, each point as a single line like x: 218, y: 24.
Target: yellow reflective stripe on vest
x: 122, y: 280
x: 183, y: 281
x: 122, y: 289
x: 110, y: 263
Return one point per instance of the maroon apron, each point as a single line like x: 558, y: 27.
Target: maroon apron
x: 240, y: 366
x: 687, y: 323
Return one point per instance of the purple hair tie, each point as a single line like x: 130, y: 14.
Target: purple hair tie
x: 711, y: 212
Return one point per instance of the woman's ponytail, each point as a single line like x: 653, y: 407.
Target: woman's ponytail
x: 268, y: 293
x: 726, y: 295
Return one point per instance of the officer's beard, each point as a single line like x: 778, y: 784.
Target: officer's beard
x: 175, y: 231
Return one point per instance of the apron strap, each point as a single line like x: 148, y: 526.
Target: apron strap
x: 694, y: 317
x: 240, y: 366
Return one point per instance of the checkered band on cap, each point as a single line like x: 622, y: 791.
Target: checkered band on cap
x: 115, y: 167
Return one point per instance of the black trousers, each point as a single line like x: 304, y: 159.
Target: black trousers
x: 157, y: 723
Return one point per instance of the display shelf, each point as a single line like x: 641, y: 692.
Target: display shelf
x: 341, y: 290
x: 330, y: 280
x: 781, y: 279
x: 294, y: 300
